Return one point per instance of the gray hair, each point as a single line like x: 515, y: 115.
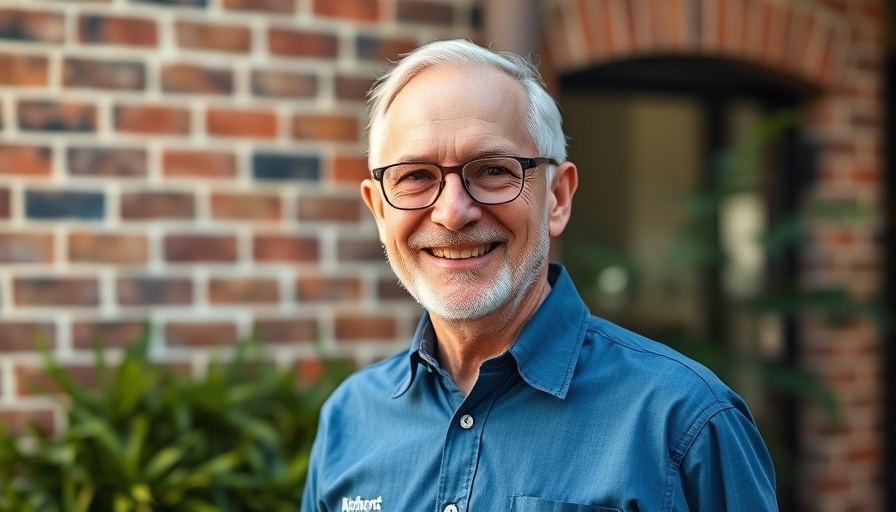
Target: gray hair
x: 543, y: 123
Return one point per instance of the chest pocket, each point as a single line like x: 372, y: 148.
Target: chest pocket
x: 532, y: 504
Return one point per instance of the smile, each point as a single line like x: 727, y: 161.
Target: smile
x: 461, y: 254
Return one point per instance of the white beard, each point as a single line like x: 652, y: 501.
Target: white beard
x: 456, y: 302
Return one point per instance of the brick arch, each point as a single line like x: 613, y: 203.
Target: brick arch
x: 804, y: 41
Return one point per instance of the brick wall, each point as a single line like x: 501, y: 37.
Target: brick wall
x: 837, y: 47
x: 194, y: 164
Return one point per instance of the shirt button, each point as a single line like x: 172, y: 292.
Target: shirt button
x: 466, y: 422
x: 451, y: 507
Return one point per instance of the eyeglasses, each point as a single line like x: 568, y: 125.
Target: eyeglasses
x: 492, y: 180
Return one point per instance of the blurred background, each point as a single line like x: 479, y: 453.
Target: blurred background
x: 194, y: 165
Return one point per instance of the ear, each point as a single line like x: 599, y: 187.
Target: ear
x: 374, y: 201
x: 566, y: 180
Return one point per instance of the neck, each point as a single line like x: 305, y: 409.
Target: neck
x: 463, y: 345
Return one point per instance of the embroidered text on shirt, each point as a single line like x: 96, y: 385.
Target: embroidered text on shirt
x: 359, y: 505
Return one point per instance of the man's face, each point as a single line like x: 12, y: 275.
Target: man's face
x: 458, y: 258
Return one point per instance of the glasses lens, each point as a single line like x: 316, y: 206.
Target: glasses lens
x: 494, y: 180
x: 411, y: 185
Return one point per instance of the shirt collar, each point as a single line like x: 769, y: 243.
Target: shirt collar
x: 546, y: 350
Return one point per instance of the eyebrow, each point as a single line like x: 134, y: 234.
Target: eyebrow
x: 475, y: 155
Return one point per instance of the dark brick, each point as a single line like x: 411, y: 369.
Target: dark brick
x: 391, y: 289
x: 285, y: 330
x: 272, y: 166
x: 111, y: 333
x: 200, y: 334
x: 155, y: 205
x: 283, y: 84
x: 4, y: 203
x: 381, y: 49
x: 412, y: 11
x: 56, y: 291
x: 196, y: 79
x: 359, y: 250
x: 154, y: 291
x: 54, y: 116
x: 352, y: 88
x: 272, y: 6
x: 194, y: 248
x: 104, y: 74
x: 300, y: 43
x: 24, y: 70
x: 117, y: 30
x: 110, y: 162
x: 47, y: 205
x: 37, y: 26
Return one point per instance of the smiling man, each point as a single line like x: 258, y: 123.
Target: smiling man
x: 511, y: 395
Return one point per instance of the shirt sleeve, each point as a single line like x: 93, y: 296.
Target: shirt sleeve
x: 728, y: 467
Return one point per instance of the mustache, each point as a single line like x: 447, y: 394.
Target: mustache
x: 444, y: 238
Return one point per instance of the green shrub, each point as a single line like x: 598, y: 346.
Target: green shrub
x: 150, y: 438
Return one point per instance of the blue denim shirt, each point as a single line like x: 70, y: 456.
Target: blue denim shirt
x: 579, y: 415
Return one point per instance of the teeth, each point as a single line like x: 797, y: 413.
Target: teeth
x: 455, y: 254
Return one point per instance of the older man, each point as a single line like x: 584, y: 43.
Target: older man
x: 511, y: 395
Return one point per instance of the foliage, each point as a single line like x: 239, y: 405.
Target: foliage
x: 151, y: 438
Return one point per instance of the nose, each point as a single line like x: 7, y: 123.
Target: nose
x: 454, y: 208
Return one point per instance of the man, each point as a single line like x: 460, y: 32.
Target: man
x: 511, y: 396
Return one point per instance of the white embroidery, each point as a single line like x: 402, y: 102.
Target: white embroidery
x: 357, y: 504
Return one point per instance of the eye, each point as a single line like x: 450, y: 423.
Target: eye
x: 494, y: 170
x: 412, y: 174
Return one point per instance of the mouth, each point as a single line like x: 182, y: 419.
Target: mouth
x: 461, y: 254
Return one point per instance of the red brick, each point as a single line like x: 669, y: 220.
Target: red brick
x: 353, y: 88
x: 359, y: 250
x: 107, y: 162
x: 285, y: 330
x: 36, y: 26
x: 242, y: 123
x: 391, y: 289
x: 300, y: 43
x: 24, y: 70
x: 380, y: 49
x: 412, y: 11
x: 350, y: 169
x: 22, y: 248
x: 157, y: 205
x: 355, y: 10
x: 284, y: 84
x: 109, y: 248
x: 325, y: 127
x: 198, y: 79
x: 152, y: 119
x: 213, y: 37
x: 56, y: 291
x: 36, y: 381
x: 198, y: 164
x: 17, y: 422
x: 109, y: 333
x: 200, y: 334
x: 194, y: 248
x: 243, y: 290
x: 114, y: 75
x: 57, y: 116
x: 327, y: 289
x: 5, y: 207
x: 22, y: 160
x: 25, y: 336
x: 285, y: 248
x: 117, y: 30
x: 246, y: 206
x: 308, y: 371
x: 356, y: 327
x: 153, y: 291
x: 272, y: 6
x: 330, y: 208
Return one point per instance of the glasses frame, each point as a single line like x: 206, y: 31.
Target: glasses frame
x: 525, y: 162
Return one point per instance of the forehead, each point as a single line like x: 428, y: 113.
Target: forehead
x: 452, y: 113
